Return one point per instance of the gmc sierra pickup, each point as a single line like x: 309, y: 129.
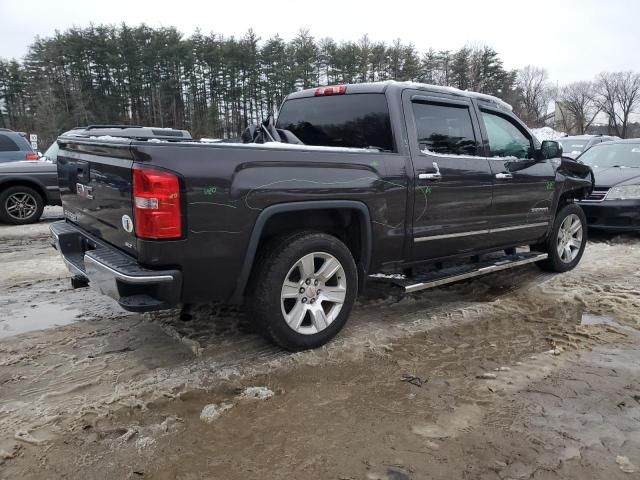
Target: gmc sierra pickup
x: 351, y: 181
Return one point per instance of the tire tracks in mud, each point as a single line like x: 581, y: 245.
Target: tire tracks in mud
x: 159, y: 355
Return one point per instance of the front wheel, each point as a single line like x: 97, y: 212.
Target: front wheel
x: 567, y: 240
x: 303, y: 289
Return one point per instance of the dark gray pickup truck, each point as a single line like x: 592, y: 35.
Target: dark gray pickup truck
x: 26, y: 184
x: 353, y: 180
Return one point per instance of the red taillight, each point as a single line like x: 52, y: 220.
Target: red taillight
x: 331, y: 90
x: 156, y: 196
x: 32, y: 156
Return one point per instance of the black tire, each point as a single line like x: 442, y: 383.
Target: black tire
x: 554, y: 263
x: 275, y: 264
x: 32, y: 198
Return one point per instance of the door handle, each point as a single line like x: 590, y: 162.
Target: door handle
x: 503, y: 176
x: 431, y: 176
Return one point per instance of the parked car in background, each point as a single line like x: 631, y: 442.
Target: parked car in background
x: 26, y: 184
x: 575, y: 145
x: 15, y: 147
x: 614, y: 203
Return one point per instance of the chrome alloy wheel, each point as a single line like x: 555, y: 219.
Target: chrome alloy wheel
x: 313, y: 293
x: 21, y: 205
x: 569, y: 239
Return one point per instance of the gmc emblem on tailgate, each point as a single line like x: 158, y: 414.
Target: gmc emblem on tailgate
x: 84, y: 191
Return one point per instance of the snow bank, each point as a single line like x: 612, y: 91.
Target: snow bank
x: 546, y: 133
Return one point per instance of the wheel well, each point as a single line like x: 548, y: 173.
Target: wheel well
x: 25, y: 183
x: 347, y: 220
x: 344, y: 224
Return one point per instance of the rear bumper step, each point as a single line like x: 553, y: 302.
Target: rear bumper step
x: 455, y: 274
x: 113, y: 273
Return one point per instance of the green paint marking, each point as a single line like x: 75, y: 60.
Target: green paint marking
x: 425, y: 190
x: 551, y: 185
x: 375, y: 163
x: 210, y: 190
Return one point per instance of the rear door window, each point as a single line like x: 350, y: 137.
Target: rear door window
x: 355, y: 121
x: 7, y: 144
x: 444, y: 129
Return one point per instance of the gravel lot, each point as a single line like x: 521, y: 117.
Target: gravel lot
x: 516, y: 375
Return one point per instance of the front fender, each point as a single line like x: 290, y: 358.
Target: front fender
x: 576, y: 178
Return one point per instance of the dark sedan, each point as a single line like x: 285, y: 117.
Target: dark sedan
x: 614, y: 203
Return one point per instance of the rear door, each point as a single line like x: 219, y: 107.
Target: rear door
x: 524, y: 187
x: 96, y: 189
x: 453, y: 183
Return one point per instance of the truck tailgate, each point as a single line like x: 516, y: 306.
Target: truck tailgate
x: 96, y: 189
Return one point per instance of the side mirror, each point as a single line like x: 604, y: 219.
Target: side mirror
x: 551, y: 149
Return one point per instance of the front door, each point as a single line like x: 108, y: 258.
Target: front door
x: 452, y: 189
x: 523, y: 186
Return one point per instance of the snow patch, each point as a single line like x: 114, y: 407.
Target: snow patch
x: 257, y: 393
x: 391, y: 276
x: 294, y: 146
x: 456, y: 91
x: 212, y: 411
x: 110, y: 138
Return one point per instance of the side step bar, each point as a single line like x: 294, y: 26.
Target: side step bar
x: 455, y: 274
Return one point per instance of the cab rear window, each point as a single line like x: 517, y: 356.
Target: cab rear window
x: 354, y: 121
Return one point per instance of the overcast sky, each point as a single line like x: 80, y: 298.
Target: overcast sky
x: 573, y: 40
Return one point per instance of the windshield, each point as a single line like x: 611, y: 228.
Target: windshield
x: 52, y: 152
x: 574, y: 147
x: 624, y: 155
x: 356, y: 121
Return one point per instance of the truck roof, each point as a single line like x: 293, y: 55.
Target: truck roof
x: 382, y: 87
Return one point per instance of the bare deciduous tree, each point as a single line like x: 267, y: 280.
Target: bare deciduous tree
x: 618, y: 96
x: 536, y: 93
x: 578, y: 106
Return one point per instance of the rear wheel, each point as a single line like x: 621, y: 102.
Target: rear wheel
x: 20, y: 205
x: 567, y: 240
x: 303, y: 289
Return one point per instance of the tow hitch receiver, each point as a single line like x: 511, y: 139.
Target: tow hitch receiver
x: 79, y: 282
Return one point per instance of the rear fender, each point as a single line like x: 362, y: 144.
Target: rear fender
x: 267, y: 213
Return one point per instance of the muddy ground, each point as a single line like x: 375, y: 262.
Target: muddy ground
x: 517, y: 375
